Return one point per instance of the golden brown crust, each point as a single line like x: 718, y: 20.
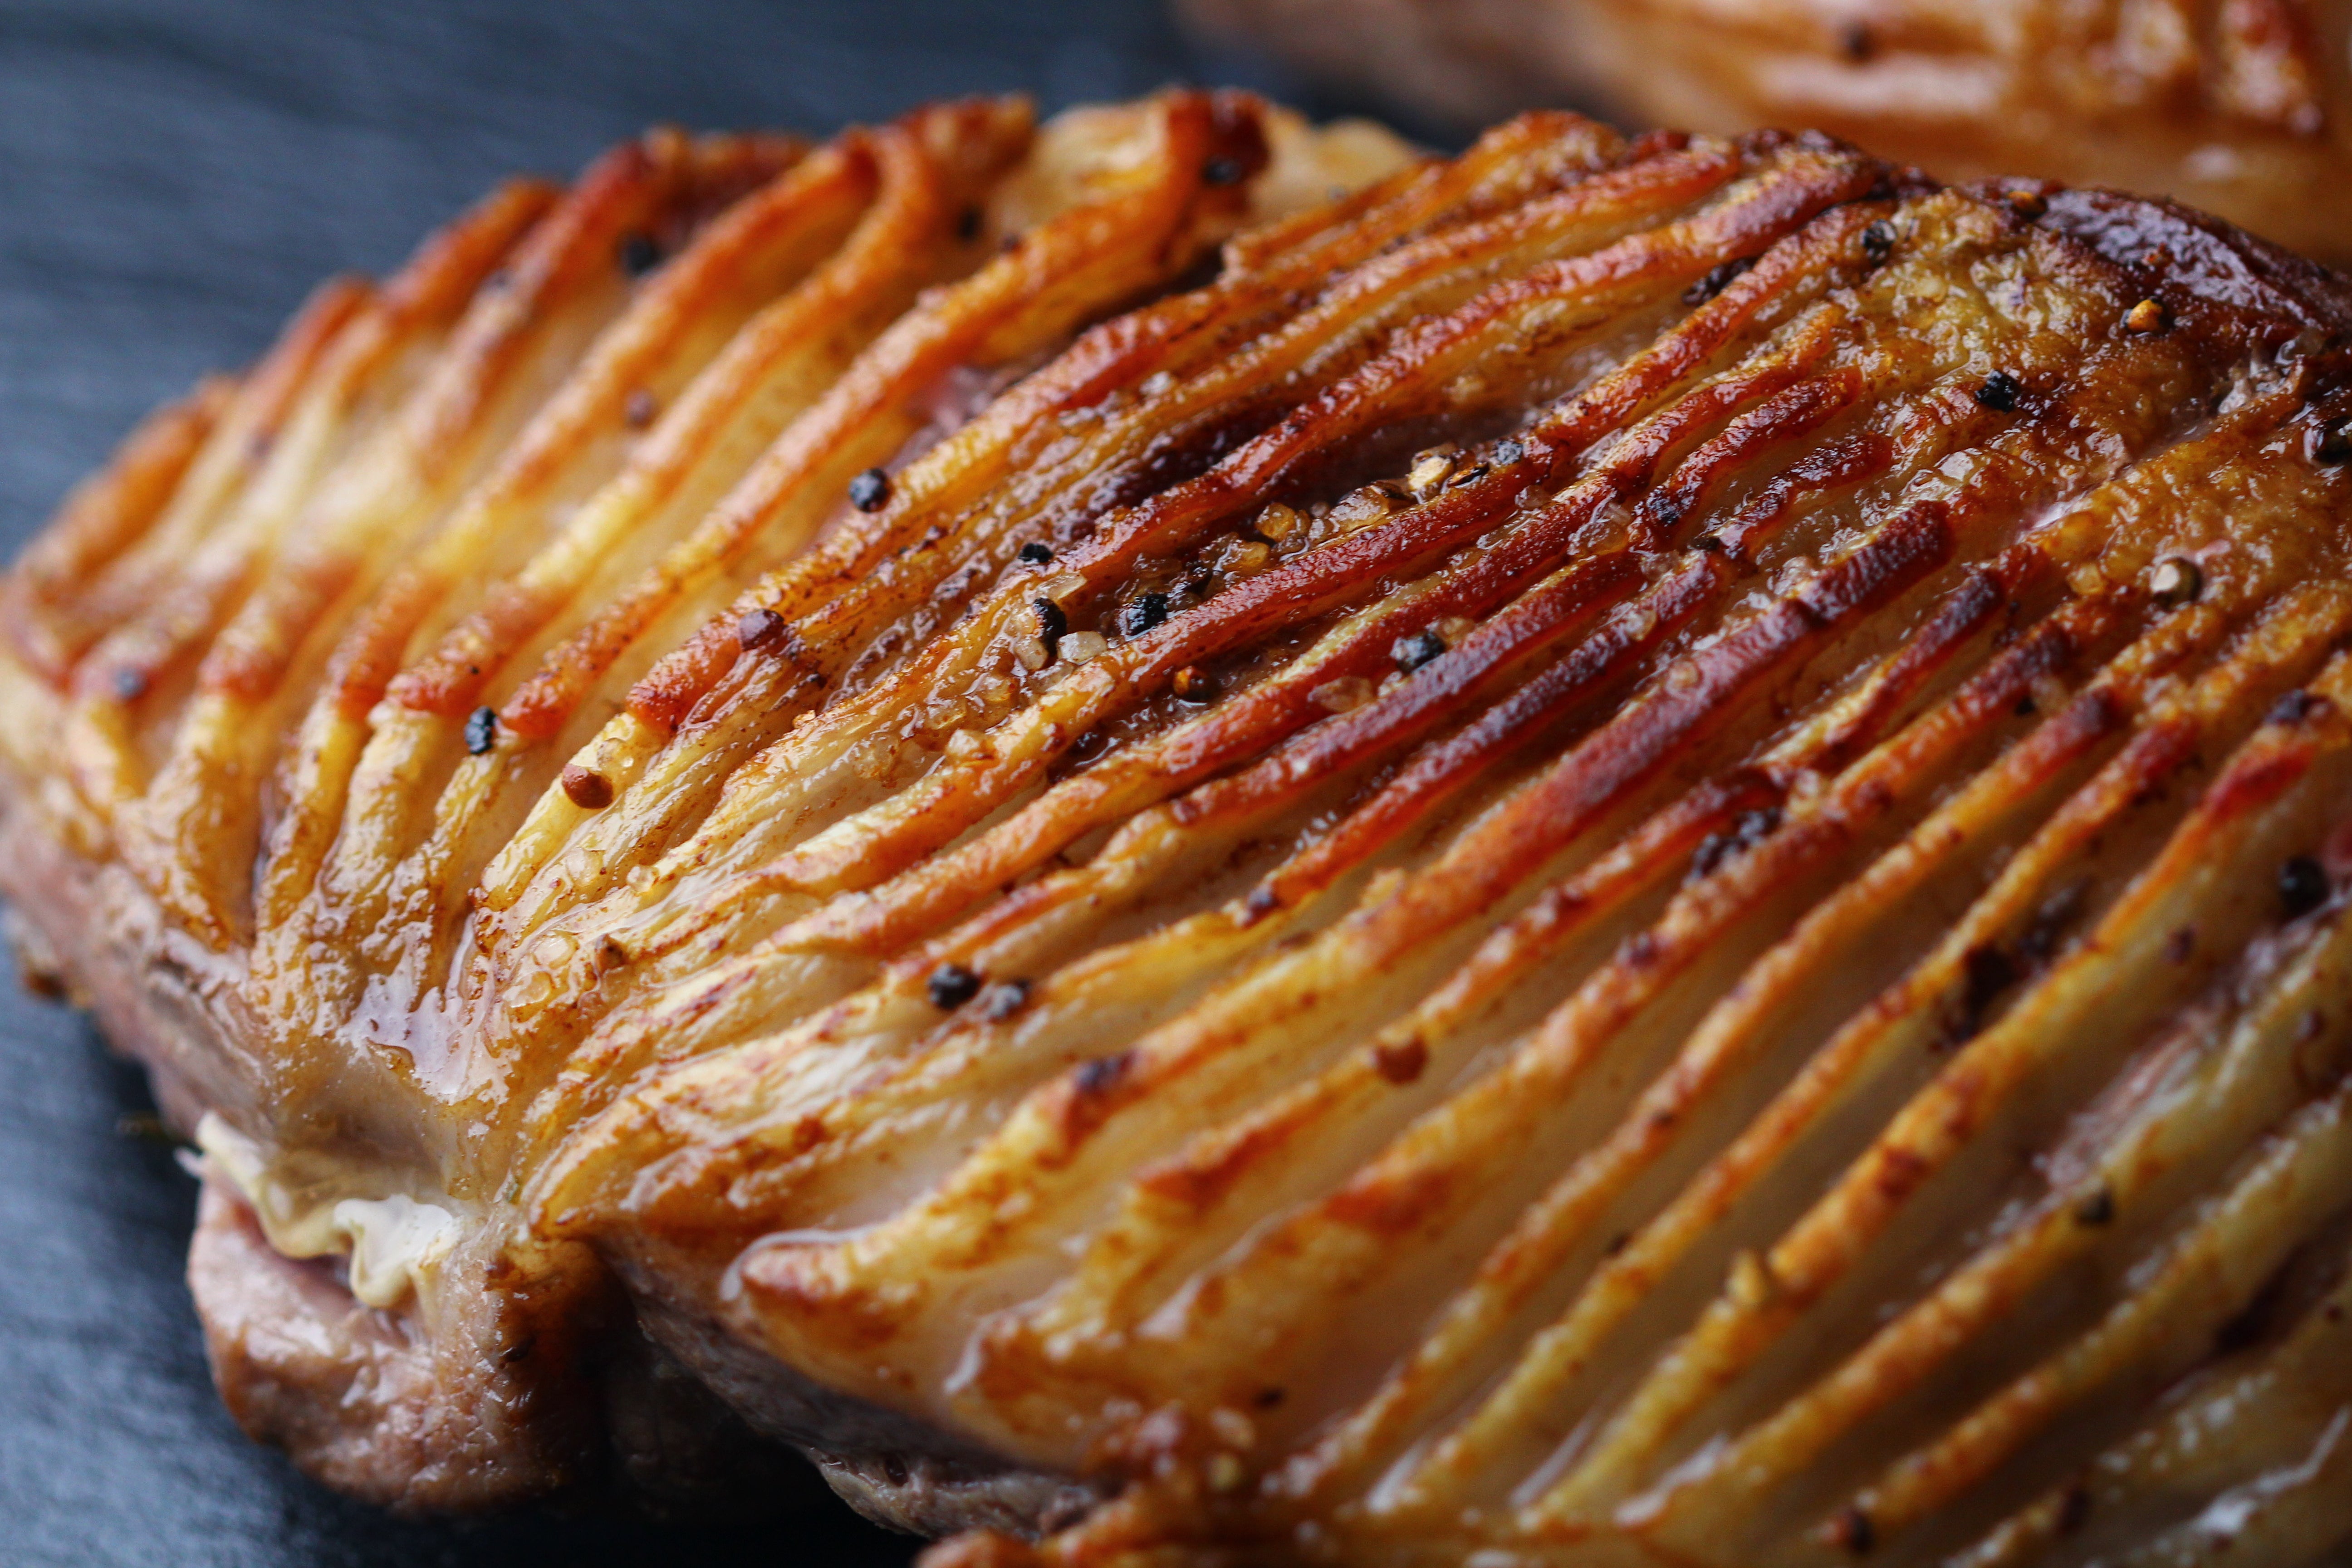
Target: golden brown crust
x: 1615, y: 852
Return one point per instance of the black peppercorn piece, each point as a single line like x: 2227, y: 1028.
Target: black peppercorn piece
x: 1142, y: 612
x: 2000, y: 391
x: 640, y: 253
x: 1003, y: 999
x: 1410, y: 653
x: 2303, y: 885
x: 952, y: 985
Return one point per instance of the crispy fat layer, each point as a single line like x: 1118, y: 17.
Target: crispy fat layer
x: 1612, y: 851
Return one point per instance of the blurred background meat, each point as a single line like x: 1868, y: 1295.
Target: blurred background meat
x: 2241, y: 107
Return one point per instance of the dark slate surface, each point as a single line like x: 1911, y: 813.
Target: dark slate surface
x: 173, y: 177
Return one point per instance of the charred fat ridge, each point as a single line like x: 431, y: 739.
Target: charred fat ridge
x: 1192, y: 841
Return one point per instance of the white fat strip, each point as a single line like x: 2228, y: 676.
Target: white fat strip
x: 390, y: 1241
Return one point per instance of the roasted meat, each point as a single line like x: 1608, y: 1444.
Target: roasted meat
x: 2243, y: 107
x: 1189, y: 842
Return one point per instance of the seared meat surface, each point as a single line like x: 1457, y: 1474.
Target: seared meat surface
x: 2241, y: 107
x: 1186, y: 841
